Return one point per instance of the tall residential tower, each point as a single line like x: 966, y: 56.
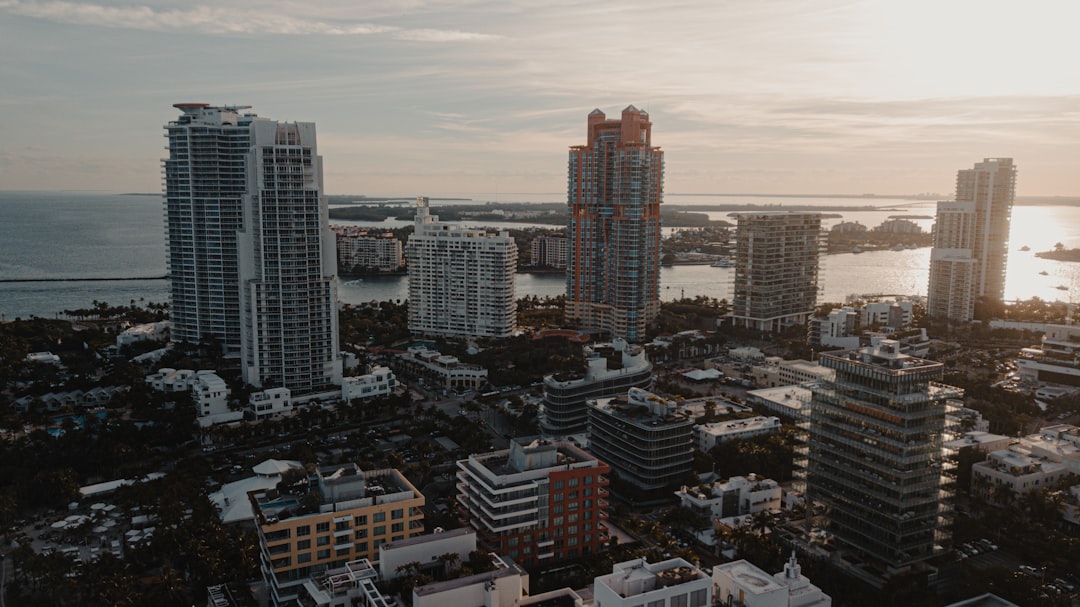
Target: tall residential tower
x: 614, y: 191
x: 777, y: 261
x: 971, y: 240
x: 251, y: 259
x: 875, y: 453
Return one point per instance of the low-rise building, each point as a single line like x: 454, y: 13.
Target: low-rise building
x: 211, y: 396
x: 538, y: 501
x: 788, y: 402
x: 1017, y: 470
x: 270, y: 402
x: 378, y: 381
x: 444, y: 370
x: 647, y: 439
x: 639, y: 582
x: 737, y: 496
x: 154, y: 331
x: 708, y: 436
x: 172, y: 380
x: 336, y: 515
x: 742, y: 584
x: 46, y: 358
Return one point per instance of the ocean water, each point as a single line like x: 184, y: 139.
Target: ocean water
x: 73, y: 235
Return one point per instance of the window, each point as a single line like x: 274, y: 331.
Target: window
x: 341, y: 526
x: 513, y: 541
x: 697, y: 598
x: 558, y: 485
x: 360, y: 534
x: 322, y: 554
x: 303, y: 557
x: 587, y: 480
x: 361, y: 546
x: 322, y: 540
x: 557, y: 497
x: 303, y: 530
x: 361, y: 519
x: 303, y: 545
x: 379, y: 530
x: 341, y: 552
x: 573, y: 482
x: 397, y: 514
x: 322, y: 527
x: 379, y: 517
x: 397, y: 527
x: 679, y: 600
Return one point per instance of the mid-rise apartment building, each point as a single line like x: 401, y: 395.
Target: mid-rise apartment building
x: 333, y: 516
x: 614, y: 190
x: 540, y: 501
x: 461, y: 280
x: 646, y: 439
x: 363, y: 250
x: 609, y: 370
x: 549, y: 251
x: 875, y: 452
x: 777, y: 262
x: 742, y: 584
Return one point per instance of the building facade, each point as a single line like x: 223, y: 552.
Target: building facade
x: 540, y: 501
x: 971, y: 240
x: 566, y: 395
x: 875, y: 452
x: 777, y: 260
x: 647, y: 440
x: 357, y: 512
x: 288, y: 269
x: 615, y: 187
x: 461, y: 280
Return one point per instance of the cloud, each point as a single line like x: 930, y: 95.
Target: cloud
x: 220, y: 21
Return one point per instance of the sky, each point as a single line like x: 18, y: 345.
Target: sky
x: 482, y: 98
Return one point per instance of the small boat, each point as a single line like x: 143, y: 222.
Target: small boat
x: 1062, y: 288
x: 1043, y: 273
x: 856, y: 249
x: 1025, y: 248
x: 723, y: 262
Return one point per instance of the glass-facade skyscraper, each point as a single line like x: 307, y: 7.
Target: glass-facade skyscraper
x: 614, y: 190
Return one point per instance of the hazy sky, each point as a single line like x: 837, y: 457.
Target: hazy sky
x: 461, y: 97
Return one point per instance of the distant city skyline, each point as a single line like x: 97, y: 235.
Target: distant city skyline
x: 476, y: 98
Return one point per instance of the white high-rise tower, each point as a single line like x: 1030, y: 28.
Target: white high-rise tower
x: 252, y: 260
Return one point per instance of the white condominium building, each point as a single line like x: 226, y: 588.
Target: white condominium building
x: 288, y: 282
x: 461, y: 280
x: 251, y: 263
x: 362, y: 250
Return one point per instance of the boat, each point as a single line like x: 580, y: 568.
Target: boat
x: 898, y: 247
x: 723, y: 262
x: 856, y: 249
x: 1062, y: 288
x: 1043, y: 273
x: 1025, y: 248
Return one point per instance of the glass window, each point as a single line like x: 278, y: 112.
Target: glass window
x: 379, y: 530
x: 379, y: 517
x: 397, y: 514
x: 303, y: 545
x: 322, y: 554
x: 322, y: 540
x: 573, y: 482
x: 322, y: 527
x: 361, y: 519
x: 397, y: 527
x: 303, y: 530
x: 303, y: 557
